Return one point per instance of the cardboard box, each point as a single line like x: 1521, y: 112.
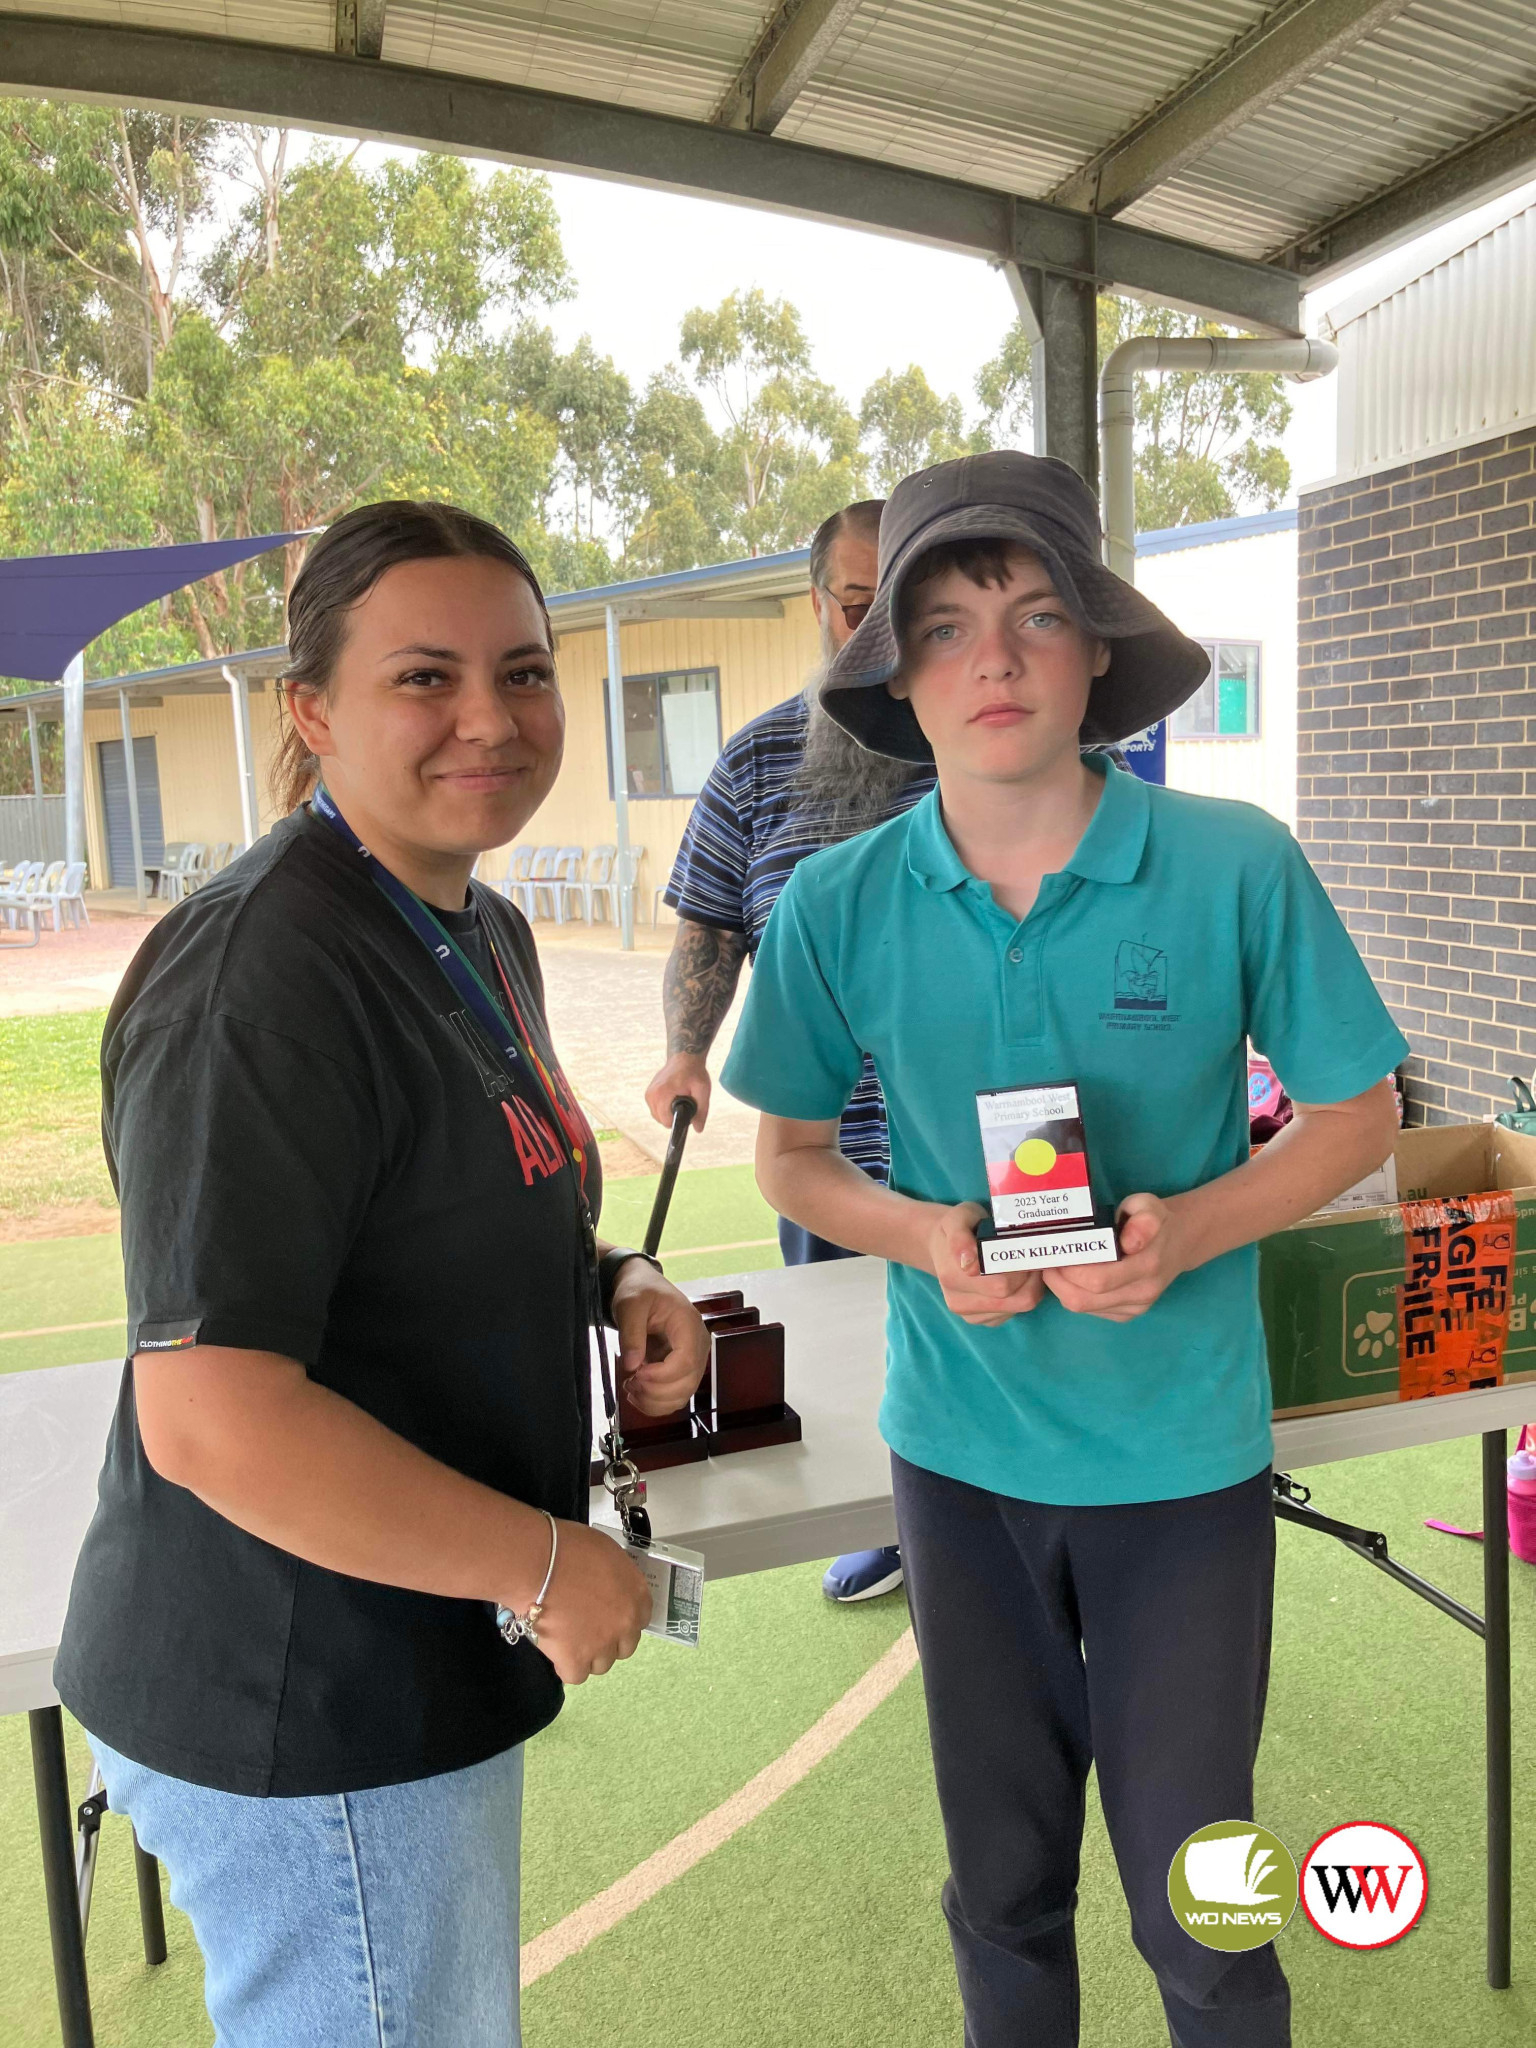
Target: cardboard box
x: 1331, y: 1286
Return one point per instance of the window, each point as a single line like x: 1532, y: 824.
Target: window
x: 671, y: 731
x: 1226, y: 705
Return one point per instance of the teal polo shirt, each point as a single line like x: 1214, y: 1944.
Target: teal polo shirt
x: 1181, y: 928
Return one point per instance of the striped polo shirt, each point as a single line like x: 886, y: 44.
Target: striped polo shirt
x: 749, y: 828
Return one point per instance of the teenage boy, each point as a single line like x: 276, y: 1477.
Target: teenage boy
x: 1081, y: 1456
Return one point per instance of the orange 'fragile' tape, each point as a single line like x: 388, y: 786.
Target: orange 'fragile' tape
x: 1453, y: 1306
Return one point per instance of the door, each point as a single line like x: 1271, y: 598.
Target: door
x: 114, y: 802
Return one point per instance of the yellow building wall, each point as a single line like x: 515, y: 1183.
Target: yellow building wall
x: 199, y: 776
x: 761, y: 662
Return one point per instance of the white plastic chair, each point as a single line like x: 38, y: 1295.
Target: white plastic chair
x: 170, y: 864
x: 564, y: 870
x: 524, y: 891
x: 621, y: 887
x: 19, y: 898
x: 186, y: 873
x: 599, y: 872
x: 519, y: 862
x: 66, y: 897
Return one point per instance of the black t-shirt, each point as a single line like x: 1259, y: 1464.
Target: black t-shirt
x: 319, y: 1155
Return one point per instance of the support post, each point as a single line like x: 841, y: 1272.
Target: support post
x: 37, y: 782
x: 1496, y: 1700
x: 131, y: 771
x: 74, y: 759
x: 1069, y: 326
x: 50, y: 1777
x: 620, y: 782
x: 240, y: 705
x: 1026, y: 287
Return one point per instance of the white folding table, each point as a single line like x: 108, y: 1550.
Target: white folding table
x: 746, y: 1513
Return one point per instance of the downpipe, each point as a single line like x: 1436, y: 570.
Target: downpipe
x: 1302, y: 361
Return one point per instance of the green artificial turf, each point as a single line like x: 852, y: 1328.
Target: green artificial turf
x: 51, y: 1281
x: 713, y: 1205
x: 819, y: 1923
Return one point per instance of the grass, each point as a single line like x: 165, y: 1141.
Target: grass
x: 50, y: 1113
x: 820, y: 1924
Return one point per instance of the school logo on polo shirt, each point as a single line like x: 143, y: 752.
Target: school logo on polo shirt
x: 1140, y: 988
x: 1233, y: 1885
x: 1141, y: 976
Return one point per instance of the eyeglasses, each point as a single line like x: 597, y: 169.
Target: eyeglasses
x: 854, y: 614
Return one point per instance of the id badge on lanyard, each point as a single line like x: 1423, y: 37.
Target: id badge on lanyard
x: 620, y: 1477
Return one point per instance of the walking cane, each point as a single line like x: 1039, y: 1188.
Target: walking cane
x: 684, y: 1110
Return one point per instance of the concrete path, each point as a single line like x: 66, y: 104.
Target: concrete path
x: 69, y: 970
x: 605, y: 1013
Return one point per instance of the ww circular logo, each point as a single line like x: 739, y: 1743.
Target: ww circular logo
x: 1363, y: 1885
x: 1233, y: 1885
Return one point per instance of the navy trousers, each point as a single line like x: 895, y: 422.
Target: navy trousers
x: 1135, y: 1639
x: 801, y: 1247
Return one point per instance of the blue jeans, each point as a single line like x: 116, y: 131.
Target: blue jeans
x: 378, y: 1919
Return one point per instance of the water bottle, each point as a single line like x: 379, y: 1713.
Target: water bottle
x: 1522, y: 1496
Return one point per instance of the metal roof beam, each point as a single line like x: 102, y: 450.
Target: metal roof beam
x: 793, y: 46
x: 1480, y: 170
x: 1285, y: 48
x: 67, y: 59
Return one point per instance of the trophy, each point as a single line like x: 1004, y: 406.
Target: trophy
x: 1039, y: 1182
x: 654, y: 1442
x: 740, y: 1402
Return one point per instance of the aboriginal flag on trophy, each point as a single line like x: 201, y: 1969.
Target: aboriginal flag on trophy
x: 1029, y: 1158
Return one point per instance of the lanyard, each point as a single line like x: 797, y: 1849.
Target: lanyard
x: 619, y: 1474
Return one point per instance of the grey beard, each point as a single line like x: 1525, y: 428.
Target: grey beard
x: 843, y: 788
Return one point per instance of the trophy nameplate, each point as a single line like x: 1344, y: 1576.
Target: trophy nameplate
x: 1039, y: 1182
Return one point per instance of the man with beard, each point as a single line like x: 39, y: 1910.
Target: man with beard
x: 789, y: 782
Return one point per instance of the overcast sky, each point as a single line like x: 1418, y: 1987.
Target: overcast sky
x: 869, y: 303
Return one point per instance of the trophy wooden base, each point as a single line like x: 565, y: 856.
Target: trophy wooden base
x: 660, y: 1453
x: 739, y: 1404
x: 755, y: 1432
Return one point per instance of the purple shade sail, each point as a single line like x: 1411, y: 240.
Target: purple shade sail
x: 53, y: 606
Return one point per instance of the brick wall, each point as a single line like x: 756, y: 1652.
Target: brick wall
x: 1416, y: 769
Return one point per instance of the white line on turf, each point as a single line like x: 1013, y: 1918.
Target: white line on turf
x: 568, y: 1937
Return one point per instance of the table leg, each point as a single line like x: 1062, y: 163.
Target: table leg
x: 151, y: 1913
x: 56, y: 1825
x: 1496, y: 1701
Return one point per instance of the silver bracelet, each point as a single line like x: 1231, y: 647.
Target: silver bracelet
x: 520, y: 1628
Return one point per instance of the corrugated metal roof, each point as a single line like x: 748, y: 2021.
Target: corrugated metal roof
x: 1448, y: 358
x: 1005, y: 94
x: 1441, y: 74
x: 1015, y: 94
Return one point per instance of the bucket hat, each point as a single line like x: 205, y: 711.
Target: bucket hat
x: 1043, y: 504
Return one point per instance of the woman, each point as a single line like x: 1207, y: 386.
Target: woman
x: 355, y: 1417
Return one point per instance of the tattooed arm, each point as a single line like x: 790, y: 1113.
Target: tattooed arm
x: 703, y: 969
